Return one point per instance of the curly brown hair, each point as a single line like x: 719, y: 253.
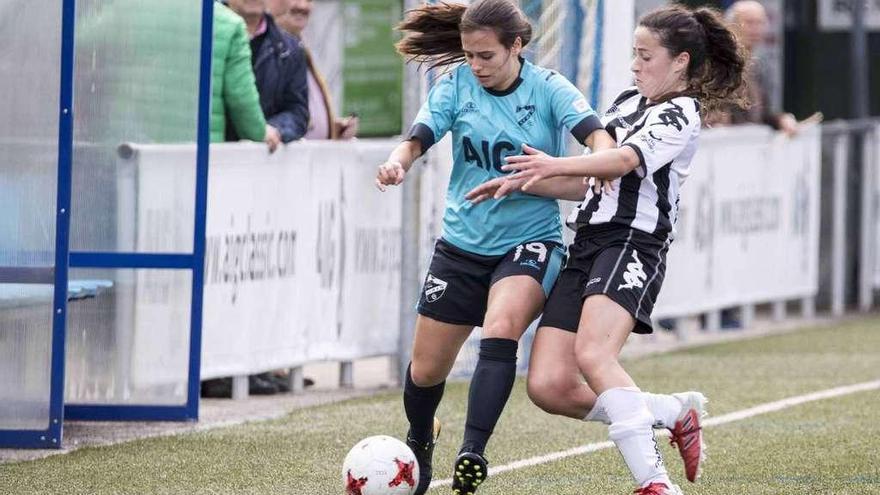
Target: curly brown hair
x: 717, y: 59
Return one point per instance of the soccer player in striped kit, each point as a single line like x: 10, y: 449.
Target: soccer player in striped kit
x: 682, y: 60
x: 496, y: 262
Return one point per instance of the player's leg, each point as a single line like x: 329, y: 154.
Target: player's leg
x: 435, y: 347
x: 629, y: 276
x: 604, y: 328
x: 447, y: 314
x: 555, y: 383
x: 520, y: 285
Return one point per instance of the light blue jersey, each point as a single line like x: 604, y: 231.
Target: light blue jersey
x: 488, y: 126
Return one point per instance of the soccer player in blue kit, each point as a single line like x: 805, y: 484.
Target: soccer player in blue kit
x: 684, y: 62
x: 497, y: 261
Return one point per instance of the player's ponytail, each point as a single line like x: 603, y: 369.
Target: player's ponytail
x: 717, y: 60
x: 721, y: 80
x: 432, y: 33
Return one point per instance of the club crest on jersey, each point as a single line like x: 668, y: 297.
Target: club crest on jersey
x: 469, y: 107
x: 635, y: 275
x: 434, y: 288
x: 524, y: 120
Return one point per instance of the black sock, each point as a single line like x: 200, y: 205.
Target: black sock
x: 490, y: 388
x: 420, y: 404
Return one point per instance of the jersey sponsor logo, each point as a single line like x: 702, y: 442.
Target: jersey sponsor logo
x: 434, y: 288
x: 492, y: 154
x: 469, y: 107
x: 635, y: 275
x: 530, y: 110
x: 580, y: 105
x: 531, y: 264
x: 672, y: 115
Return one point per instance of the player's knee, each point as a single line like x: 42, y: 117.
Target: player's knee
x: 592, y: 359
x: 548, y: 393
x: 424, y: 375
x: 502, y: 328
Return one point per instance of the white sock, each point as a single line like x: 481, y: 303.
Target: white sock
x: 665, y: 409
x: 632, y: 433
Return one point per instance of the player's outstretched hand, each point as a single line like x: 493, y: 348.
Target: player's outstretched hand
x: 390, y: 173
x: 599, y: 185
x: 533, y: 165
x: 494, y: 189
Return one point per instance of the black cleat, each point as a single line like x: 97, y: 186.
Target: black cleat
x: 424, y: 456
x: 471, y: 470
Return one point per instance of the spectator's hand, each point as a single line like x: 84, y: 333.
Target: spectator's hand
x: 788, y: 124
x: 272, y: 139
x: 347, y: 128
x: 390, y: 173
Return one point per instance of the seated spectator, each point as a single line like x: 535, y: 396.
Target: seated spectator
x: 279, y: 64
x: 234, y: 96
x: 293, y: 16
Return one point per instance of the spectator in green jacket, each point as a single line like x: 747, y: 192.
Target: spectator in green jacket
x: 234, y: 91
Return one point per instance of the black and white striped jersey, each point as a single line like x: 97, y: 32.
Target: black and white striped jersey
x: 664, y: 135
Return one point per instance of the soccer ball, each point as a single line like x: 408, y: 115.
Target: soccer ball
x: 380, y: 465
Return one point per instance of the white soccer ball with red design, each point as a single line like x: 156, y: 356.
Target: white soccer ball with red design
x: 380, y: 465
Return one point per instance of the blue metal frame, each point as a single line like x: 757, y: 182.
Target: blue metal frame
x: 82, y: 259
x: 597, y: 55
x: 174, y: 261
x: 51, y: 437
x: 573, y: 28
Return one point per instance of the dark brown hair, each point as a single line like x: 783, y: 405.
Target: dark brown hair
x: 432, y: 33
x: 717, y: 60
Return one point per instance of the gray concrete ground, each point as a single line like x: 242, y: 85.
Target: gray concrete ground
x: 370, y: 376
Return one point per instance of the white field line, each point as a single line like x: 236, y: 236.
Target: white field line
x: 714, y: 421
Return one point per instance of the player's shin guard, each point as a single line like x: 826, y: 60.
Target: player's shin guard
x: 632, y: 432
x: 420, y: 404
x: 490, y: 388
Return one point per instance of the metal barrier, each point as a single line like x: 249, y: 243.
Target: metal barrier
x: 852, y: 163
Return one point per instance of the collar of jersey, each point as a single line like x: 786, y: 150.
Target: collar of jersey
x: 512, y: 88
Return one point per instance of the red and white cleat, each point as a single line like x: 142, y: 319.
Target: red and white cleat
x: 659, y: 489
x: 687, y: 434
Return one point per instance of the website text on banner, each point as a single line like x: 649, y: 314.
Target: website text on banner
x: 302, y: 257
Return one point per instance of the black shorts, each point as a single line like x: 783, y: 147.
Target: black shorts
x: 625, y: 264
x: 457, y: 286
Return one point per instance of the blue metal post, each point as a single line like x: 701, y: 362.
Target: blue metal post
x: 204, y: 137
x: 62, y: 226
x: 596, y: 85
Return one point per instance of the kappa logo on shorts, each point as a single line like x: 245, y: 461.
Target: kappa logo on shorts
x: 434, y: 288
x: 635, y: 275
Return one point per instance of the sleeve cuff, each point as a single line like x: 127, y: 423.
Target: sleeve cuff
x: 423, y: 133
x: 586, y: 127
x: 643, y: 167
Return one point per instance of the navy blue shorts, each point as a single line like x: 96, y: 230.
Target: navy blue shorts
x: 456, y: 289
